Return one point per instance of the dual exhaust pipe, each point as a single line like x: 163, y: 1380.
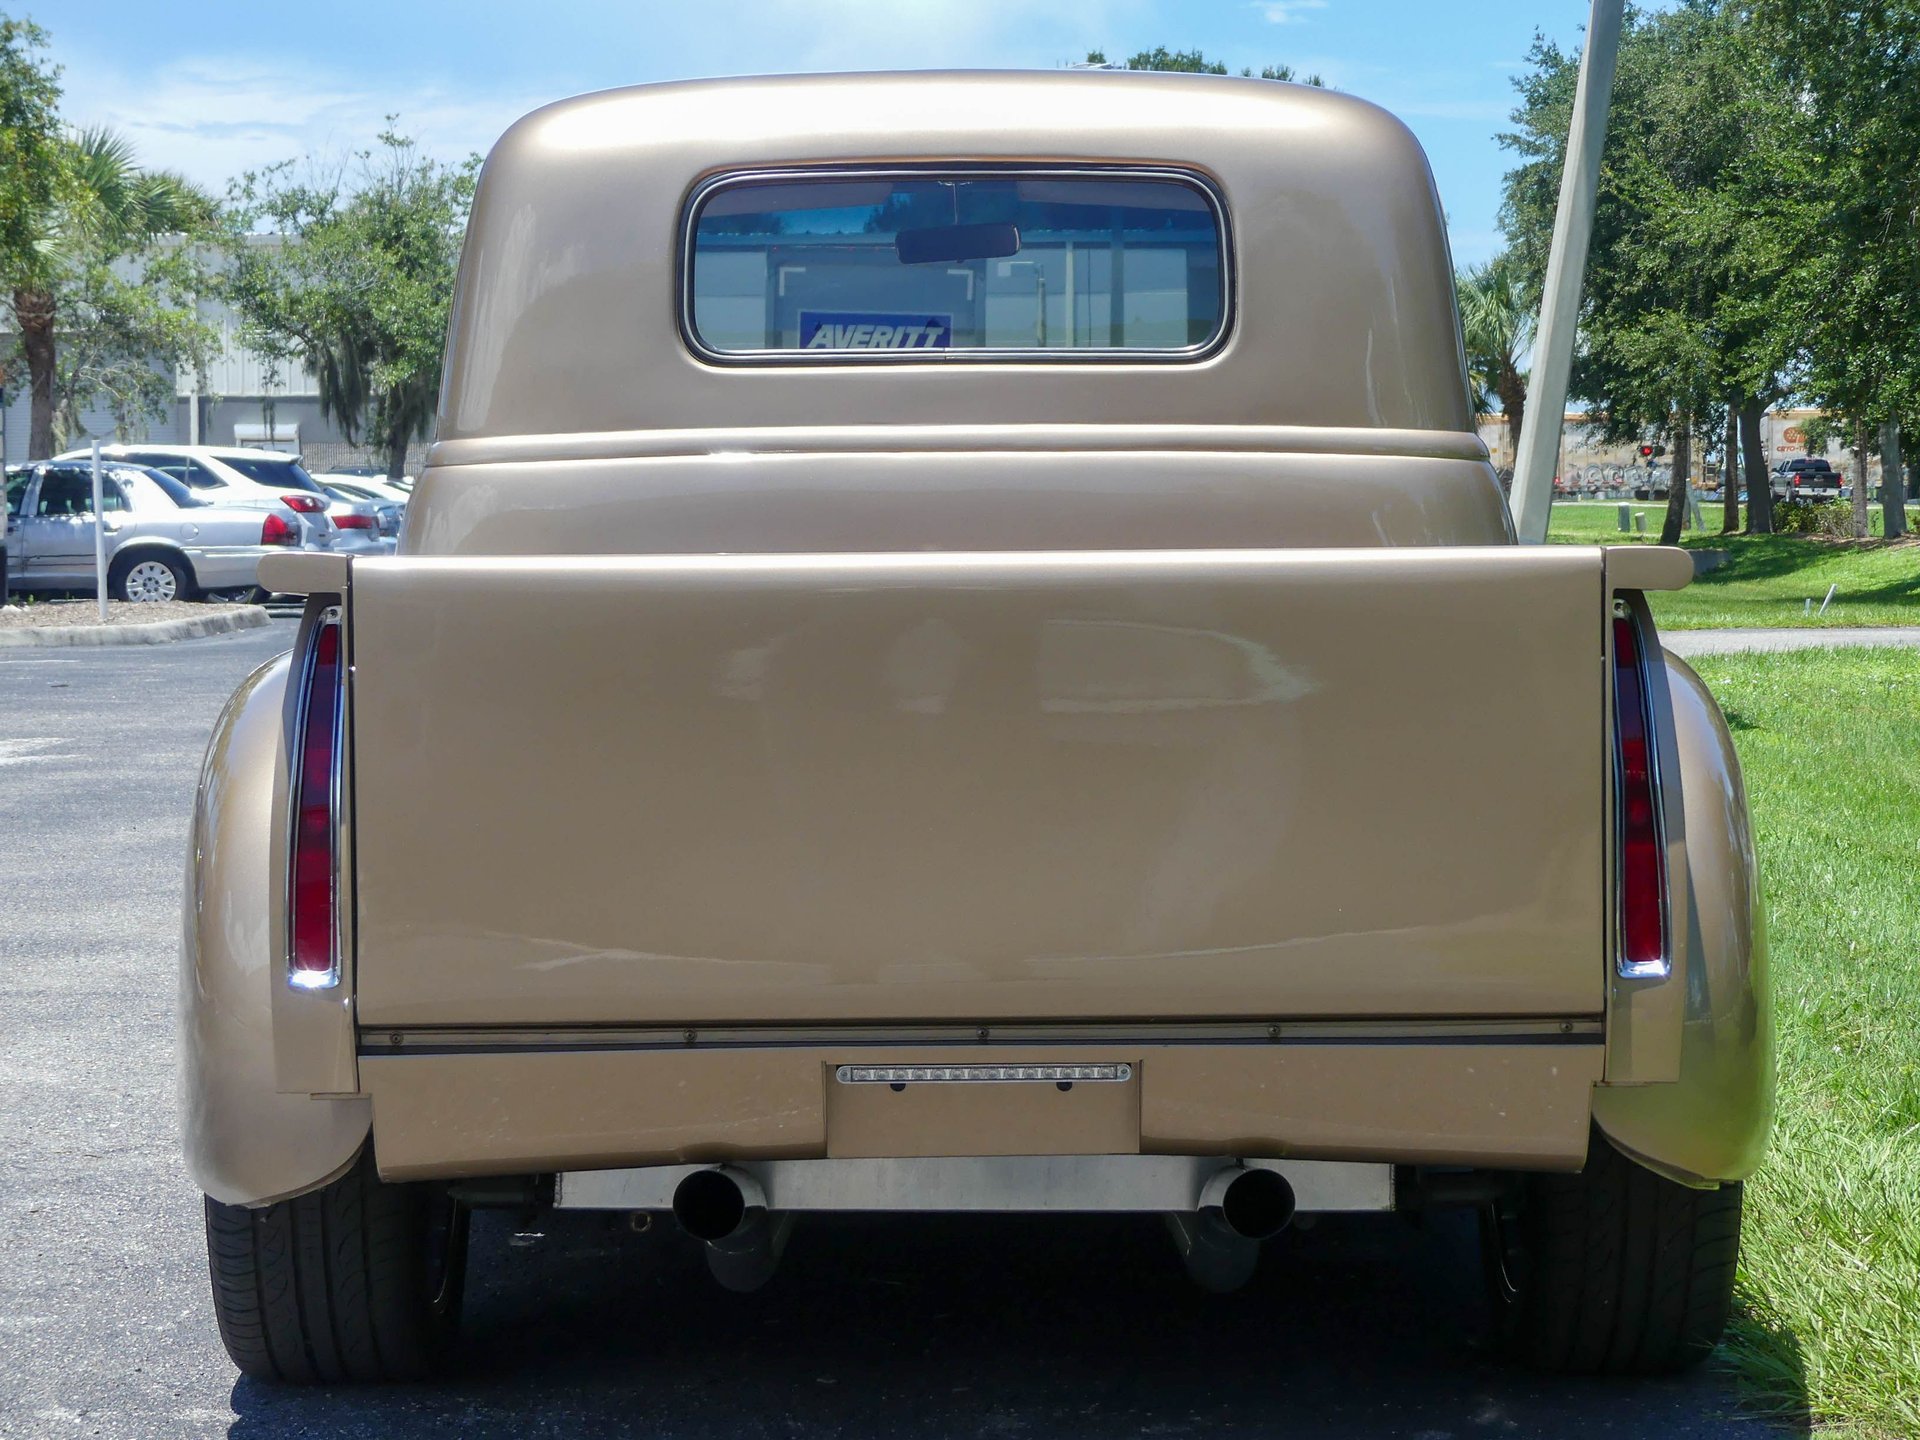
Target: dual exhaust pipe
x: 727, y: 1210
x: 1219, y: 1241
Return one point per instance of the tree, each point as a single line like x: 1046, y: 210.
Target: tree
x: 1855, y: 294
x: 127, y: 326
x: 32, y: 157
x: 1497, y: 316
x: 1192, y: 62
x: 1691, y: 235
x: 355, y: 281
x: 107, y: 273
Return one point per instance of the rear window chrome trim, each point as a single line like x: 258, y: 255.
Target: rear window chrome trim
x: 1206, y: 185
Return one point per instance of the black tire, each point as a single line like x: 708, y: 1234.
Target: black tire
x: 123, y: 566
x: 357, y: 1281
x: 1614, y: 1271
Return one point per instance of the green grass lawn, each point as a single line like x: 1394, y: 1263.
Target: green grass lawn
x: 1768, y: 578
x: 1830, y: 1268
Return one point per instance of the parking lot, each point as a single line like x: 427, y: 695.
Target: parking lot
x: 872, y: 1328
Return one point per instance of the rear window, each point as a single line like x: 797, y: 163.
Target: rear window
x: 273, y: 472
x: 955, y: 264
x: 165, y: 488
x: 180, y: 468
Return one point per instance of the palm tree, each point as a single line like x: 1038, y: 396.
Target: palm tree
x: 1497, y: 314
x: 107, y: 206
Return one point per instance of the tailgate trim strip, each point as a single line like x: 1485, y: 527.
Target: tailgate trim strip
x: 468, y: 1040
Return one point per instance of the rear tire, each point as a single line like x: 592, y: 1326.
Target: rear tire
x: 357, y: 1281
x: 1614, y: 1271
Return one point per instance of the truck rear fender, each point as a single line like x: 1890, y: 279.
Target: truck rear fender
x: 1709, y: 1124
x: 247, y: 1142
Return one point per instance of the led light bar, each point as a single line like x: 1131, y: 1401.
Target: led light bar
x: 981, y: 1074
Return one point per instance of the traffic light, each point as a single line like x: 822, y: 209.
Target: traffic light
x: 1652, y: 452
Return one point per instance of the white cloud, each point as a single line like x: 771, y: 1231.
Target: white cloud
x: 1287, y: 12
x: 213, y: 118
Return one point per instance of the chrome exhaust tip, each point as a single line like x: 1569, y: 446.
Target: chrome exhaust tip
x: 1253, y: 1204
x: 1219, y: 1242
x: 726, y: 1210
x: 713, y: 1205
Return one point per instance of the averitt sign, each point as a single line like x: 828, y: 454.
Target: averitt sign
x: 867, y: 330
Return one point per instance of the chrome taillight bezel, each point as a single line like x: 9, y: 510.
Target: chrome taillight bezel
x: 1634, y: 671
x: 303, y: 976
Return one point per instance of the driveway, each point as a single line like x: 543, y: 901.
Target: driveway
x: 1049, y: 1329
x: 1727, y: 642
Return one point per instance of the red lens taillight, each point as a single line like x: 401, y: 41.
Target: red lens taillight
x: 350, y: 521
x: 305, y: 504
x: 275, y: 531
x: 313, y: 955
x: 1642, y: 847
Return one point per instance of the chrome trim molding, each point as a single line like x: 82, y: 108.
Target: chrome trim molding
x: 1088, y: 355
x: 1136, y: 1184
x: 463, y: 1040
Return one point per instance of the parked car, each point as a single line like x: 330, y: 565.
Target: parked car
x: 206, y: 471
x: 237, y: 471
x: 389, y: 505
x: 786, y: 769
x: 7, y: 473
x: 1808, y: 477
x: 400, y: 485
x: 163, y: 542
x: 367, y: 489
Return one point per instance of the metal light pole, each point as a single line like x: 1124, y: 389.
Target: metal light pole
x: 1566, y: 263
x: 99, y: 536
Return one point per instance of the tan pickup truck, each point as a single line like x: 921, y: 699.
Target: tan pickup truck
x: 957, y: 651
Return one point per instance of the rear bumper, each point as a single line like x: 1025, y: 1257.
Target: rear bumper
x: 1506, y: 1101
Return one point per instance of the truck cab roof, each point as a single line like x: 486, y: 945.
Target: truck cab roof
x: 569, y: 317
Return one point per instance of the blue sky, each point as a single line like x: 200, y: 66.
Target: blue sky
x: 212, y: 87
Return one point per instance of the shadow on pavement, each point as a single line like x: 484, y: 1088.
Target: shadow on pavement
x: 1063, y: 1327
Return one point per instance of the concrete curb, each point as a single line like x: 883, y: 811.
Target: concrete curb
x: 247, y: 617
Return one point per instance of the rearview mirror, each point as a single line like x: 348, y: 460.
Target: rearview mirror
x: 951, y: 244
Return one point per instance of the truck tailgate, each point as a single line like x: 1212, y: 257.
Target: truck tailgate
x: 967, y: 787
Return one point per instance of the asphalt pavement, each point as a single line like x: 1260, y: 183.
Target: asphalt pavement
x: 892, y: 1329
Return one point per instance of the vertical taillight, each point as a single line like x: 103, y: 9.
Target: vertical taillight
x: 313, y: 890
x: 1642, y: 852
